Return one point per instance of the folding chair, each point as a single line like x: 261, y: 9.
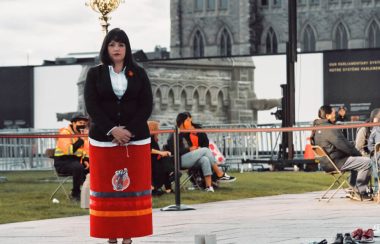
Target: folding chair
x: 61, y: 178
x: 190, y: 177
x: 329, y: 167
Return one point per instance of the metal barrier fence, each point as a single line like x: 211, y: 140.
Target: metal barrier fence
x: 269, y: 142
x: 25, y: 153
x: 29, y: 153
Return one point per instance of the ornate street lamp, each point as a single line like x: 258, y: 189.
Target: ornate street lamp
x: 104, y: 7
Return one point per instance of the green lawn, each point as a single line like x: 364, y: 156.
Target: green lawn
x: 25, y: 195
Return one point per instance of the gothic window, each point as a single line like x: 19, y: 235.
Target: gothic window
x: 182, y: 106
x: 223, y: 4
x: 210, y: 5
x: 277, y: 3
x: 158, y: 100
x: 195, y: 107
x: 301, y: 2
x: 225, y: 44
x: 314, y: 2
x: 198, y: 6
x: 271, y: 41
x: 208, y: 101
x: 220, y: 102
x: 308, y: 40
x: 198, y: 46
x: 374, y: 35
x: 340, y: 37
x: 171, y: 100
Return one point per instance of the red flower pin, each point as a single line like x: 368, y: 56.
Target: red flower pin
x: 130, y: 73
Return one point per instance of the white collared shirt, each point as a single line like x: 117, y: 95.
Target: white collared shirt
x: 111, y: 144
x: 119, y: 81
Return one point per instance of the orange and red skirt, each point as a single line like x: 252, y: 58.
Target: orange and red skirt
x: 120, y: 191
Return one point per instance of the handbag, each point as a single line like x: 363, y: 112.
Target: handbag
x: 220, y: 159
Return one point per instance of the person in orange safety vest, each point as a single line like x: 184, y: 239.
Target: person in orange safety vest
x: 71, y: 153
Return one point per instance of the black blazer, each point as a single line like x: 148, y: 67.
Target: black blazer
x: 106, y: 110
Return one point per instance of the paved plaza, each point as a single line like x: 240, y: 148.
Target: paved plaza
x: 292, y: 218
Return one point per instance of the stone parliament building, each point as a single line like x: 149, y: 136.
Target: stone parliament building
x: 221, y: 90
x: 247, y: 27
x: 214, y: 91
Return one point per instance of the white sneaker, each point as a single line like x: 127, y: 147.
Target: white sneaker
x: 209, y: 189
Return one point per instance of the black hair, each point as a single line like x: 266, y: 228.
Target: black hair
x: 117, y: 35
x: 342, y: 107
x: 77, y: 117
x: 181, y: 117
x: 324, y: 110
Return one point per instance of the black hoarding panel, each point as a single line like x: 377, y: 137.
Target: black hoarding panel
x: 16, y: 97
x: 352, y: 79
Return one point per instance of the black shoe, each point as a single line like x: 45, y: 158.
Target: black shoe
x: 157, y: 192
x: 338, y: 239
x: 226, y: 178
x: 366, y: 197
x: 360, y: 196
x: 75, y: 199
x: 347, y: 239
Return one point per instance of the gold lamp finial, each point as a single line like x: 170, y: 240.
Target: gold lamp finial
x: 104, y: 7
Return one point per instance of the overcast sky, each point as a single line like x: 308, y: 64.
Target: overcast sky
x: 46, y: 29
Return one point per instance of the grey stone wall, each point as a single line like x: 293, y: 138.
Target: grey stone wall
x: 214, y: 91
x: 322, y: 15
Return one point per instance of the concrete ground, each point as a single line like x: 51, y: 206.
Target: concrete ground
x: 293, y: 219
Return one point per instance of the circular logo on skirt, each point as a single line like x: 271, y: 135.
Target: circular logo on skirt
x: 121, y: 180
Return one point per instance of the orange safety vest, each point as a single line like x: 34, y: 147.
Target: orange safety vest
x: 65, y: 145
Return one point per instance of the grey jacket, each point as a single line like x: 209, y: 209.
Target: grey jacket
x: 373, y: 138
x: 361, y: 141
x: 334, y: 143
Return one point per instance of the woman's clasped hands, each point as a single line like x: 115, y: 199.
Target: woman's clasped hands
x: 121, y: 135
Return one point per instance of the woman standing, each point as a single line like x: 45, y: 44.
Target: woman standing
x: 118, y: 99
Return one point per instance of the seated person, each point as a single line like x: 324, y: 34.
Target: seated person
x: 373, y: 138
x: 192, y: 155
x: 342, y: 116
x: 343, y: 153
x: 362, y: 135
x: 162, y: 164
x: 361, y: 140
x: 198, y: 140
x: 70, y: 152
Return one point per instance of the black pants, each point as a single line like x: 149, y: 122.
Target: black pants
x: 161, y: 170
x: 71, y: 166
